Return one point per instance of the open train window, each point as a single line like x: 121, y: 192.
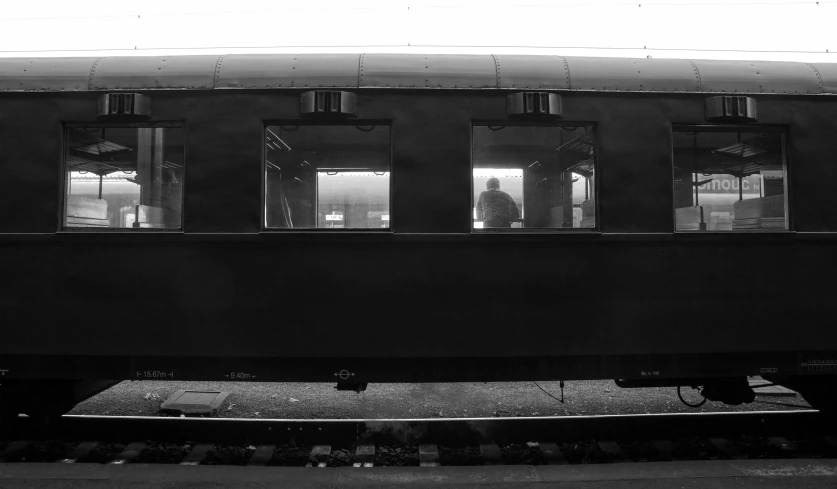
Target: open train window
x: 730, y: 179
x: 123, y: 178
x: 327, y: 177
x: 533, y: 177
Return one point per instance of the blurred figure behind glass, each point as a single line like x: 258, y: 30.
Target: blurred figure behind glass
x: 496, y: 208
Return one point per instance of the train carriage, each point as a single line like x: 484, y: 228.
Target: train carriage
x: 320, y: 218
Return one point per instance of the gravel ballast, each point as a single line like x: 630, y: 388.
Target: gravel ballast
x: 408, y: 401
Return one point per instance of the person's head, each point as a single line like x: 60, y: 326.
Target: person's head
x: 493, y: 184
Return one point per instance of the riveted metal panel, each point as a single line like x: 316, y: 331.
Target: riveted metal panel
x: 154, y: 72
x: 828, y: 75
x: 532, y: 71
x: 51, y: 74
x: 288, y: 71
x: 632, y: 74
x: 427, y: 71
x: 757, y: 77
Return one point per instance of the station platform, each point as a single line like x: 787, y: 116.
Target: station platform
x: 819, y: 473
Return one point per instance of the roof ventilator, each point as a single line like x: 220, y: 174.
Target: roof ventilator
x: 727, y: 108
x: 328, y: 102
x: 543, y: 104
x: 124, y: 106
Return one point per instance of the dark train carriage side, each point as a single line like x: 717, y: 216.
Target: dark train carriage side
x: 241, y: 234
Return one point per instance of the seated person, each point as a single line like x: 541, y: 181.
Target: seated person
x: 496, y: 208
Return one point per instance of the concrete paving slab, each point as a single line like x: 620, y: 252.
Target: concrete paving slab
x: 194, y: 402
x: 763, y: 388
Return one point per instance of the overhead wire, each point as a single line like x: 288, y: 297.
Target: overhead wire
x: 460, y: 46
x: 640, y: 4
x: 481, y: 6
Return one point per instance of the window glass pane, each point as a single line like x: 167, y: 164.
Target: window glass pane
x: 729, y: 181
x: 327, y: 177
x: 120, y: 177
x: 534, y: 177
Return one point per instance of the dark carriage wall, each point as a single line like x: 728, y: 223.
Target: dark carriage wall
x: 224, y: 289
x: 430, y: 288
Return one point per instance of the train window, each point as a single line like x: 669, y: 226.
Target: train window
x: 729, y: 180
x: 327, y: 177
x: 533, y: 177
x: 124, y: 178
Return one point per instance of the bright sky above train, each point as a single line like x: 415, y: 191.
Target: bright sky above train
x: 716, y: 29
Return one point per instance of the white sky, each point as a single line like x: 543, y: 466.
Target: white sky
x: 783, y: 30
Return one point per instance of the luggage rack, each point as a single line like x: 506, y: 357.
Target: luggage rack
x: 581, y: 145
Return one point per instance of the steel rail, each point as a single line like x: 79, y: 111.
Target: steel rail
x: 454, y: 431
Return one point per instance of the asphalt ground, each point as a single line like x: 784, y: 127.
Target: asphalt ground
x: 715, y: 474
x: 409, y: 401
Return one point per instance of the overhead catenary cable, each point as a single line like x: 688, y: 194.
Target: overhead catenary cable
x: 448, y: 46
x: 482, y: 6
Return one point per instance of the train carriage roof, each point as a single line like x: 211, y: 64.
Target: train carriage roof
x: 436, y: 71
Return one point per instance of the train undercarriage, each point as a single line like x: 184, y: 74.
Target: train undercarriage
x: 39, y: 391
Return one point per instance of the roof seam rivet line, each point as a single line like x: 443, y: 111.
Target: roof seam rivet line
x: 697, y: 75
x: 218, y: 70
x: 360, y: 70
x: 93, y: 73
x: 819, y: 77
x: 497, y: 70
x: 566, y: 71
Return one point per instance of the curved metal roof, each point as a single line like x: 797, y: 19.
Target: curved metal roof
x: 432, y: 71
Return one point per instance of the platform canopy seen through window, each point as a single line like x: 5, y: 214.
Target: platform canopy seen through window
x: 327, y: 177
x: 729, y: 180
x: 124, y: 178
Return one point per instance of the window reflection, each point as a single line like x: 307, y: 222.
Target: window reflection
x: 327, y: 177
x: 729, y: 181
x: 124, y: 178
x: 533, y: 177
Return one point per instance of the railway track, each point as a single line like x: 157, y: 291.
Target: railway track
x: 428, y: 442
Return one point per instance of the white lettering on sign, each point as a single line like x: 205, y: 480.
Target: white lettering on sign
x: 729, y: 184
x: 240, y: 376
x: 154, y: 374
x: 385, y: 217
x: 332, y: 217
x: 651, y: 373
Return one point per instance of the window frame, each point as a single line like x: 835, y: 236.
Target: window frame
x: 596, y: 229
x: 329, y: 122
x: 65, y: 152
x: 781, y: 129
